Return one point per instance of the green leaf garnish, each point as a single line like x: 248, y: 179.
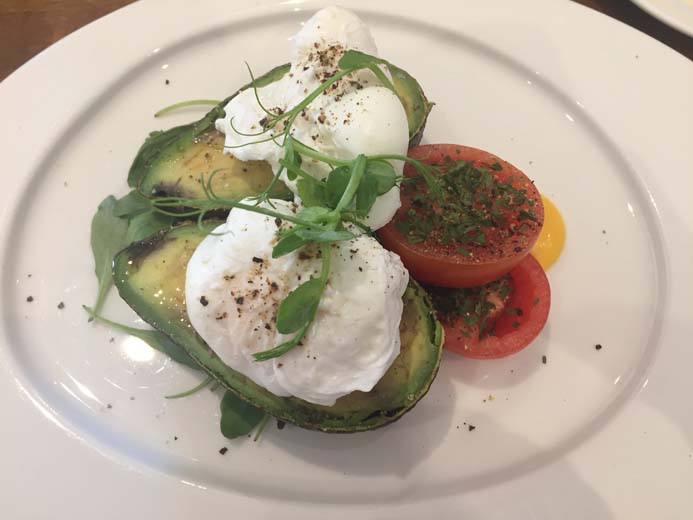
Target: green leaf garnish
x: 345, y: 196
x: 358, y: 169
x: 145, y: 224
x: 384, y: 175
x: 287, y: 244
x: 238, y: 417
x: 335, y: 185
x: 328, y: 235
x: 283, y: 348
x: 155, y: 339
x: 108, y: 236
x: 314, y: 215
x: 366, y: 194
x: 299, y: 306
x: 312, y: 193
x: 131, y: 205
x: 261, y: 428
x: 355, y: 60
x: 192, y: 391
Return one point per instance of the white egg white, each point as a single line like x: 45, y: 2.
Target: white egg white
x: 234, y: 287
x: 357, y: 116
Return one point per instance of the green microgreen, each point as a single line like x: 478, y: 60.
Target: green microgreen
x: 335, y: 184
x: 145, y: 224
x: 328, y: 235
x: 253, y: 83
x: 238, y: 417
x: 383, y: 175
x: 116, y: 224
x: 244, y: 134
x: 355, y: 60
x: 425, y: 171
x: 297, y: 311
x: 259, y: 141
x: 298, y: 307
x: 366, y: 194
x: 108, y: 236
x: 155, y: 339
x: 307, y: 151
x: 311, y: 192
x: 261, y: 427
x: 331, y: 205
x: 287, y: 244
x: 360, y: 60
x: 192, y: 391
x: 131, y: 205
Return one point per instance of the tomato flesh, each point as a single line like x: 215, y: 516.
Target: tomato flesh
x: 530, y: 293
x: 444, y: 264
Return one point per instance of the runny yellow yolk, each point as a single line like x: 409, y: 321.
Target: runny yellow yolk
x: 552, y: 237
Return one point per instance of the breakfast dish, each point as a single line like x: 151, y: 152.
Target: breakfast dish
x: 293, y: 304
x: 559, y: 428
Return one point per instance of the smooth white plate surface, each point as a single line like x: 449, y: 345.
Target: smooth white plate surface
x: 675, y: 13
x: 604, y: 131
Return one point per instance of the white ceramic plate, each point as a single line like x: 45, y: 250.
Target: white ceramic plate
x: 604, y: 126
x: 675, y: 13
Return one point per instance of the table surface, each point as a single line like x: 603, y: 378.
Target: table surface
x: 29, y: 26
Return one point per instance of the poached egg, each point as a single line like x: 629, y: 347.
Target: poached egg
x: 234, y: 287
x: 356, y: 115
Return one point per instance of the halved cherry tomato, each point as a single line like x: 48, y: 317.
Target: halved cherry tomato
x: 518, y: 320
x: 447, y: 263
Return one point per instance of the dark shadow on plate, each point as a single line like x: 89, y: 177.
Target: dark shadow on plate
x: 394, y: 449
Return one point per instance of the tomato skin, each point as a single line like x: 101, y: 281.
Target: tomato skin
x: 440, y: 265
x: 532, y: 294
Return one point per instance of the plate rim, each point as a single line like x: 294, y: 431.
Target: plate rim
x: 33, y: 66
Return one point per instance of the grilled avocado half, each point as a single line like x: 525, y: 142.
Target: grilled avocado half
x: 150, y: 277
x: 170, y: 162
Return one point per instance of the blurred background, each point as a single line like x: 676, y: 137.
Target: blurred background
x: 29, y: 26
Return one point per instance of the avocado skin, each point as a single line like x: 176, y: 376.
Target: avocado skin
x: 177, y: 171
x: 416, y: 105
x: 149, y: 276
x: 165, y: 145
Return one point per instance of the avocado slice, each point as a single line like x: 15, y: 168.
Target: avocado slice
x: 170, y: 162
x: 415, y: 103
x: 150, y: 277
x: 176, y: 170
